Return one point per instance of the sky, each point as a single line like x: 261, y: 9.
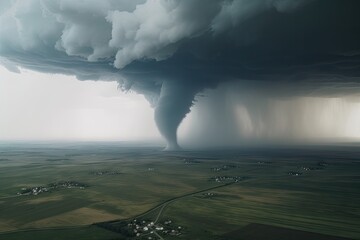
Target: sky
x: 222, y: 117
x: 264, y: 69
x: 38, y: 106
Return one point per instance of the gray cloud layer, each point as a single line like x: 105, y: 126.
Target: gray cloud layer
x: 170, y: 50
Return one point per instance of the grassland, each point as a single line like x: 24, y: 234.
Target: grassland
x: 78, y: 233
x: 323, y: 200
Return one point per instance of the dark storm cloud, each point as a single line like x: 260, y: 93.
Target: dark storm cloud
x: 171, y: 50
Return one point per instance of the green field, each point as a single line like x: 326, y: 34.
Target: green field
x: 324, y: 198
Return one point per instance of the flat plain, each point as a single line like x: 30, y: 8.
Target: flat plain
x: 208, y: 194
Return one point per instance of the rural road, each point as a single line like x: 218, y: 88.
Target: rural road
x: 165, y: 203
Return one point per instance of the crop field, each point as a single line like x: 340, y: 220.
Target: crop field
x: 205, y: 194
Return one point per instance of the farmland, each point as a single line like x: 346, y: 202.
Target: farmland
x: 123, y: 183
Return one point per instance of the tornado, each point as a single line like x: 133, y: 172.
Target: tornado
x: 174, y: 103
x: 168, y: 50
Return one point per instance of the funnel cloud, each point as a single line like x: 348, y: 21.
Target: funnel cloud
x: 170, y: 51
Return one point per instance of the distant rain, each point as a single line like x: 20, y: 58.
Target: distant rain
x: 170, y: 51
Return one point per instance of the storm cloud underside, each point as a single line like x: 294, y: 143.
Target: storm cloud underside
x: 170, y: 51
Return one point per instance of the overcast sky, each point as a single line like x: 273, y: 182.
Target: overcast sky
x: 38, y: 106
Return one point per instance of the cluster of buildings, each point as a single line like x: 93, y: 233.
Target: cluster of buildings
x: 320, y: 166
x: 149, y: 229
x: 57, y: 185
x: 208, y: 195
x: 33, y: 190
x: 292, y: 173
x: 226, y: 178
x: 68, y: 184
x: 223, y: 168
x: 310, y: 168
